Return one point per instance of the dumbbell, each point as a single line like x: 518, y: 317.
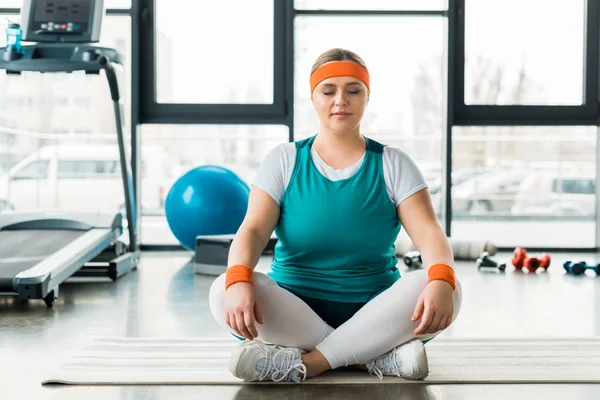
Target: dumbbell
x: 413, y: 259
x: 484, y: 261
x: 521, y: 259
x: 580, y: 267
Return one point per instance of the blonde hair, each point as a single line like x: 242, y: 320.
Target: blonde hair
x: 337, y: 55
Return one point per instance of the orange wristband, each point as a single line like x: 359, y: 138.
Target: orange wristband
x: 442, y: 272
x: 238, y: 273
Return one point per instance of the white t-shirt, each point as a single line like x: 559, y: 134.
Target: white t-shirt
x: 402, y: 176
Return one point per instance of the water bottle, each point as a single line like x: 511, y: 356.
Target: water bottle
x: 13, y: 42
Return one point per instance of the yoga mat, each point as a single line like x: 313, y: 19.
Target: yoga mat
x: 181, y: 361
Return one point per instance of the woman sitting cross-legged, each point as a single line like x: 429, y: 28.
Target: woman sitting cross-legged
x: 334, y: 296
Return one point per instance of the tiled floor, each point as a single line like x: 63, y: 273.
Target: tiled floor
x: 165, y: 298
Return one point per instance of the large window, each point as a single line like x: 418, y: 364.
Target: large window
x: 214, y: 62
x: 372, y: 4
x: 406, y: 105
x: 172, y: 150
x: 225, y: 66
x: 525, y: 186
x: 107, y: 3
x: 65, y: 123
x: 214, y: 52
x: 524, y: 52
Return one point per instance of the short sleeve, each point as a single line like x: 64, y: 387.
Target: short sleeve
x: 274, y: 172
x: 402, y: 175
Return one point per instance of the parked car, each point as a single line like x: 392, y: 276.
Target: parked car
x: 81, y: 178
x: 483, y: 192
x: 458, y: 176
x: 491, y: 192
x: 554, y: 193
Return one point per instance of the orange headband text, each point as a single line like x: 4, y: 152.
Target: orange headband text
x: 339, y: 68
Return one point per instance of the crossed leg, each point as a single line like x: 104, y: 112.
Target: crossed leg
x: 379, y: 326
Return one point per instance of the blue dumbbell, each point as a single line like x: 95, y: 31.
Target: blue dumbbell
x: 580, y: 267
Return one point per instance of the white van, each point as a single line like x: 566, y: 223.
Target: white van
x: 82, y: 178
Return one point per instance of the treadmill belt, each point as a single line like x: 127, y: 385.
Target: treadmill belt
x: 21, y: 250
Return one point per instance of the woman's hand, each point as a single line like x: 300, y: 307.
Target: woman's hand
x: 436, y: 306
x: 241, y: 310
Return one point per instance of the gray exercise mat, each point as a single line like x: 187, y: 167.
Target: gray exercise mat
x: 179, y: 361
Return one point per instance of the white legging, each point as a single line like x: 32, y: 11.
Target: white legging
x: 379, y: 326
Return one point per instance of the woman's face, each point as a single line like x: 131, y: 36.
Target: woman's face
x: 340, y: 102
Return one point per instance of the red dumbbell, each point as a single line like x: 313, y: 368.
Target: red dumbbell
x: 521, y: 259
x: 533, y: 263
x: 519, y: 256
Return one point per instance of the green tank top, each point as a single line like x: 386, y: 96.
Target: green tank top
x: 336, y: 238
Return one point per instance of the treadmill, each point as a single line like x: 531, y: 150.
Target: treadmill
x: 39, y: 250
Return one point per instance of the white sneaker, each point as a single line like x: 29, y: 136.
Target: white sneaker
x: 254, y: 360
x: 407, y: 361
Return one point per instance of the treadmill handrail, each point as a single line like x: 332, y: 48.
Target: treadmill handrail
x: 67, y: 258
x: 126, y: 174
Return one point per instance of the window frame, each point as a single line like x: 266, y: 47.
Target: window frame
x: 514, y: 115
x: 460, y: 114
x: 185, y: 113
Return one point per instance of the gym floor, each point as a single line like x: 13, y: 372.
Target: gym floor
x: 164, y: 298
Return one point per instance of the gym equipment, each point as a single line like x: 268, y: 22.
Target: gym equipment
x: 519, y: 256
x: 205, y: 201
x: 463, y: 249
x: 533, y: 263
x: 484, y: 261
x: 413, y: 259
x: 40, y: 250
x: 65, y: 21
x: 212, y: 252
x: 521, y: 259
x: 580, y: 267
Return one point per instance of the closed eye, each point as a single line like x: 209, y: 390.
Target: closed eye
x: 351, y: 92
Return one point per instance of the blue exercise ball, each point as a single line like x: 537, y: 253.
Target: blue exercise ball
x: 207, y: 200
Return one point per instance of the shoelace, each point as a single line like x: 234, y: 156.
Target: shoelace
x: 374, y: 370
x: 390, y: 366
x: 280, y: 364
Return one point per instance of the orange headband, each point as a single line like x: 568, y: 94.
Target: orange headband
x: 339, y: 68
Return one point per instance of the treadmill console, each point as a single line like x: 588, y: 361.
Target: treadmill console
x: 62, y: 21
